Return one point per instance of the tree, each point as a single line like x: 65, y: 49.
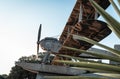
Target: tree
x: 19, y: 73
x: 1, y: 77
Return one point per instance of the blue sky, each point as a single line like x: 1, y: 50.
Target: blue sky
x: 19, y: 23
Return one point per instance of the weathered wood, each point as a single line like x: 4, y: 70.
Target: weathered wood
x: 93, y: 29
x: 88, y: 27
x: 87, y: 11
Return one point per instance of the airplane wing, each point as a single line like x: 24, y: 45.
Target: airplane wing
x: 83, y: 21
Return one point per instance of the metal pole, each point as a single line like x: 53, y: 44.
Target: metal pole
x: 39, y: 76
x: 45, y: 58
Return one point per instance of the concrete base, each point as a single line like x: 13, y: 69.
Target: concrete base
x: 50, y: 69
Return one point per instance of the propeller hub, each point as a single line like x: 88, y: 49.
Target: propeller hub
x: 50, y: 44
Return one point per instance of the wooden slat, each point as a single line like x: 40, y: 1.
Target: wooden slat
x: 92, y: 29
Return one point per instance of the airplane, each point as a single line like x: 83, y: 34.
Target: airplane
x: 82, y: 21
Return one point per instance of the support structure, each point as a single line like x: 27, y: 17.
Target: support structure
x: 42, y: 68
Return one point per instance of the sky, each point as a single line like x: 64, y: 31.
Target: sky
x: 19, y: 23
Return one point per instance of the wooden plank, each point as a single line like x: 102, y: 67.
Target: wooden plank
x: 87, y: 11
x: 93, y: 29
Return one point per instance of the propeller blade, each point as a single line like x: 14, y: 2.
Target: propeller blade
x: 39, y: 33
x: 39, y: 36
x: 37, y: 49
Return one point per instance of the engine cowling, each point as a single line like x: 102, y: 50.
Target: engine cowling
x: 50, y: 44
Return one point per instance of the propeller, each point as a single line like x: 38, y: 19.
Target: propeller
x: 39, y: 36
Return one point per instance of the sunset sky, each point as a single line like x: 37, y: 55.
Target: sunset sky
x: 19, y: 23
